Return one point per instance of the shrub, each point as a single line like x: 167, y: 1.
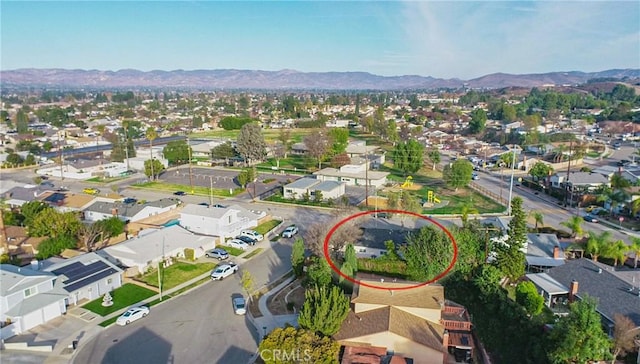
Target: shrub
x: 189, y: 254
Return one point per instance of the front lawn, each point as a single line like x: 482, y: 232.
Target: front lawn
x: 231, y: 250
x: 265, y: 227
x: 124, y: 296
x: 176, y: 274
x: 197, y: 190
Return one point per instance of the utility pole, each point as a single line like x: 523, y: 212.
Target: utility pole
x: 566, y: 195
x: 190, y: 170
x: 366, y: 175
x: 513, y: 169
x: 126, y: 147
x: 61, y: 138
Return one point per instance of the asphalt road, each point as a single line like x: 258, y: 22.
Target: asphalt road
x: 197, y: 327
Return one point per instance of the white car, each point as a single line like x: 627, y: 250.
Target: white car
x: 223, y: 271
x: 252, y: 234
x: 239, y: 306
x: 238, y: 244
x: 290, y: 231
x: 132, y: 314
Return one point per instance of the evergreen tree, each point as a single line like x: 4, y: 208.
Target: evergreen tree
x: 350, y: 257
x: 511, y: 260
x: 408, y: 156
x: 319, y: 273
x: 251, y: 144
x: 297, y: 256
x: 323, y: 310
x: 578, y: 337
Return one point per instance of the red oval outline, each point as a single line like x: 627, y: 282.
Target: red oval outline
x: 356, y: 281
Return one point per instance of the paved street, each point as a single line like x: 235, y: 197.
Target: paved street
x: 198, y: 327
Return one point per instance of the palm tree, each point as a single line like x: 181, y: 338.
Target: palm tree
x: 618, y: 182
x: 539, y: 219
x: 598, y: 244
x: 574, y: 224
x: 635, y: 249
x: 617, y: 251
x: 467, y: 209
x: 151, y: 134
x: 616, y: 197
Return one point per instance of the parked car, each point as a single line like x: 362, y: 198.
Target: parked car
x: 129, y: 200
x: 589, y: 218
x: 91, y: 191
x: 617, y: 146
x: 217, y: 205
x: 223, y: 271
x: 591, y: 208
x: 238, y: 244
x: 246, y: 239
x: 475, y: 176
x: 290, y: 231
x: 217, y: 253
x: 47, y: 184
x: 132, y: 314
x: 180, y: 193
x: 239, y: 306
x: 203, y: 204
x: 252, y: 234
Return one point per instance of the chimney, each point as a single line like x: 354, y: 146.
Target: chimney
x: 114, y: 212
x: 445, y: 347
x: 556, y: 252
x: 573, y: 290
x: 35, y: 264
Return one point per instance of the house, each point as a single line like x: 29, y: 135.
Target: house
x: 353, y: 175
x: 19, y: 245
x: 417, y: 323
x: 144, y: 154
x: 579, y: 181
x: 65, y: 202
x: 543, y: 251
x: 308, y: 186
x: 86, y: 170
x: 581, y: 277
x: 299, y: 149
x: 28, y: 298
x: 218, y: 221
x: 370, y: 355
x: 18, y: 196
x: 84, y: 277
x: 147, y: 250
x: 372, y: 242
x: 130, y: 212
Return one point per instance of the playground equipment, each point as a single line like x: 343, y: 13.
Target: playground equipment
x: 408, y: 182
x: 431, y: 197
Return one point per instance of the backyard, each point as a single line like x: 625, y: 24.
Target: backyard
x: 124, y: 296
x: 177, y: 273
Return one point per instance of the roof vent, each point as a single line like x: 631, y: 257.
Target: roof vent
x: 599, y: 270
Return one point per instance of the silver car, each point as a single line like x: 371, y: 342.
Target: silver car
x: 239, y: 306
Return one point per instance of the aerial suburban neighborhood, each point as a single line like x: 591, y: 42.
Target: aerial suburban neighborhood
x: 394, y: 225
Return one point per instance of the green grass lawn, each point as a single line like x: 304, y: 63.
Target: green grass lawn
x: 265, y: 227
x: 231, y: 250
x: 104, y: 179
x: 176, y: 274
x: 464, y: 196
x: 292, y: 162
x: 197, y: 190
x: 124, y: 296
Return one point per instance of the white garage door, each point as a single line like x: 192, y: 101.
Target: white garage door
x: 52, y: 311
x: 31, y: 320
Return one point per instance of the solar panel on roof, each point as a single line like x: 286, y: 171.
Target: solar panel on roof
x: 80, y: 271
x: 55, y: 197
x: 67, y: 268
x: 89, y: 280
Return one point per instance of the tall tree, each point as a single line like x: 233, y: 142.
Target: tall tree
x: 153, y: 168
x: 458, y: 174
x: 284, y: 136
x: 297, y: 257
x: 31, y: 209
x: 350, y: 257
x: 434, y: 157
x: 510, y: 259
x: 598, y: 244
x: 50, y: 222
x: 578, y: 337
x: 299, y: 345
x: 635, y: 249
x: 251, y: 144
x: 624, y: 335
x: 617, y: 251
x: 407, y: 156
x: 540, y: 171
x: 22, y: 122
x: 223, y: 151
x: 151, y: 135
x: 324, y: 310
x: 319, y: 272
x: 538, y: 217
x: 177, y: 152
x: 478, y: 121
x: 428, y: 252
x: 339, y: 138
x: 528, y: 297
x: 318, y: 145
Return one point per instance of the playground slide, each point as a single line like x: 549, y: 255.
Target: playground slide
x: 436, y: 200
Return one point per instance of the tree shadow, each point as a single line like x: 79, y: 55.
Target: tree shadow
x: 141, y: 347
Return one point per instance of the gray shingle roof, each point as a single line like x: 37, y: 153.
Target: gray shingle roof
x: 15, y: 279
x: 128, y: 210
x: 612, y: 292
x: 303, y: 183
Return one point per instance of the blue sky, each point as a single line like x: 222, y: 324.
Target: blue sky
x: 463, y: 39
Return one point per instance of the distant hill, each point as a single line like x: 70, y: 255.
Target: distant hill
x: 286, y: 79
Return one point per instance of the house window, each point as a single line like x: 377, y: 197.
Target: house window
x: 29, y: 292
x: 288, y: 190
x: 362, y: 250
x: 109, y: 281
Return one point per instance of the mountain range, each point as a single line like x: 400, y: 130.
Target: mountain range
x: 287, y: 79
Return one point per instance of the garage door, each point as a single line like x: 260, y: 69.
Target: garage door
x: 31, y: 320
x: 52, y: 311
